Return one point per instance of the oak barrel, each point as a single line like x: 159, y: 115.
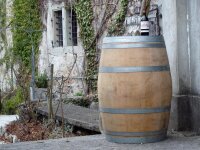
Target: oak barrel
x: 134, y: 89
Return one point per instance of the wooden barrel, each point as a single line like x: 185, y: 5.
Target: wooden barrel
x: 134, y: 89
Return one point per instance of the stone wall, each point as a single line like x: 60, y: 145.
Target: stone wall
x: 62, y: 57
x: 7, y: 78
x: 132, y: 22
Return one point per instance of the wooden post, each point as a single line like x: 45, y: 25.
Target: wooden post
x: 50, y: 107
x: 61, y: 94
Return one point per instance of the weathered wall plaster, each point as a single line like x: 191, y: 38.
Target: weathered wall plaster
x: 6, y: 80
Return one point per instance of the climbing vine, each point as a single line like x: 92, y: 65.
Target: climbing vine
x: 26, y: 24
x: 3, y: 39
x: 84, y: 12
x: 116, y: 28
x: 2, y: 20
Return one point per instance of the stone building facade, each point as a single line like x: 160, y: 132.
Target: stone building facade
x: 62, y: 56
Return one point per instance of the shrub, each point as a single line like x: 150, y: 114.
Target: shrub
x: 79, y: 94
x: 41, y: 81
x: 82, y: 101
x: 10, y: 106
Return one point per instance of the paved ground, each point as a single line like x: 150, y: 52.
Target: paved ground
x: 74, y: 115
x: 97, y: 142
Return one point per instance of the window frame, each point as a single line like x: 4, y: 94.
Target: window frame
x: 58, y: 29
x: 66, y: 22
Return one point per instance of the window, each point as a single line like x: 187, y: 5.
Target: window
x: 72, y: 28
x: 65, y: 28
x: 58, y: 41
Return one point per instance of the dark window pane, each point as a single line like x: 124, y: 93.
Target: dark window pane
x: 73, y: 30
x: 59, y: 30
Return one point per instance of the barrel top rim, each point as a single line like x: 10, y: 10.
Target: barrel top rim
x: 116, y: 39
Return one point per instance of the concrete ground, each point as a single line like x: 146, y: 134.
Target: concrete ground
x: 98, y: 142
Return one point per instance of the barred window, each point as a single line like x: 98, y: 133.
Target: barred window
x: 65, y: 28
x: 72, y: 28
x: 58, y: 28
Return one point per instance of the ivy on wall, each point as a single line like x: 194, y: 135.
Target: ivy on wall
x: 116, y: 28
x: 84, y: 12
x: 3, y: 39
x: 2, y: 19
x: 4, y: 24
x: 26, y: 24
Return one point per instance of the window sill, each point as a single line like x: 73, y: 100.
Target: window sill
x: 68, y: 49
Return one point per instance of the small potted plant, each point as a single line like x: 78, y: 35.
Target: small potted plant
x: 41, y: 82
